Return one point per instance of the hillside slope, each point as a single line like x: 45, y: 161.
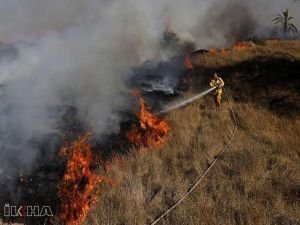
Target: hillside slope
x: 257, y: 180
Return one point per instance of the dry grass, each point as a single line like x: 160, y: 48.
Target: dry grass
x: 257, y: 181
x: 234, y: 56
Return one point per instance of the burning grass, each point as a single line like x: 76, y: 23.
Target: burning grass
x: 150, y: 130
x: 187, y: 63
x: 240, y: 46
x: 245, y: 51
x: 77, y: 188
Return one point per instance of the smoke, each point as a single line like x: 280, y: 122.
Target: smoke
x: 235, y: 16
x: 80, y: 53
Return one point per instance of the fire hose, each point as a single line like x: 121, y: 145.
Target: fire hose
x: 216, y: 159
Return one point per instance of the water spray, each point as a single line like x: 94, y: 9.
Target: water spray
x: 186, y: 102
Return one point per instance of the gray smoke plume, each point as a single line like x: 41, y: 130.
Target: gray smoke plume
x: 74, y: 52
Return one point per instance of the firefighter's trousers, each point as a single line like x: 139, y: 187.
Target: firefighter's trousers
x: 218, y: 98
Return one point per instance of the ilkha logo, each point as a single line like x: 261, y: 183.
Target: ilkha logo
x: 26, y: 210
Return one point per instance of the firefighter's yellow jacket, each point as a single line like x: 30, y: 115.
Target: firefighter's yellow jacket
x: 219, y: 83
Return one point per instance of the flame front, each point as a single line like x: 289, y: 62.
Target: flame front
x: 188, y: 63
x: 76, y: 190
x: 242, y: 46
x: 150, y: 131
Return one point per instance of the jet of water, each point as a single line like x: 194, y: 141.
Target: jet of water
x: 185, y: 102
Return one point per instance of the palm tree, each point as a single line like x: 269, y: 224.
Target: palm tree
x: 284, y: 20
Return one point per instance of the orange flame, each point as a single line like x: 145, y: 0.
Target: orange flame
x: 242, y: 46
x: 151, y: 130
x: 188, y: 63
x: 76, y: 190
x: 238, y: 46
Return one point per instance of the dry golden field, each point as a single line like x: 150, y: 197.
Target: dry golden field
x: 257, y: 179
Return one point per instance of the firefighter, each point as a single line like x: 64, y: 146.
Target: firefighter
x: 219, y: 83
